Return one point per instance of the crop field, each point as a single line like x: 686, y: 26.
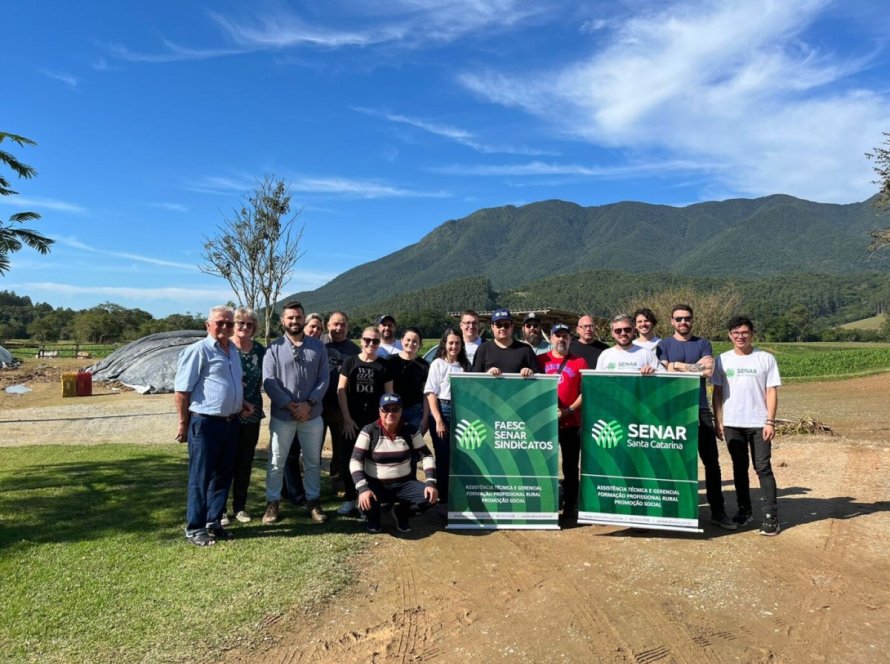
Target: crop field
x: 29, y: 348
x: 800, y: 362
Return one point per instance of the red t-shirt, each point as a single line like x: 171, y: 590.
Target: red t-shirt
x: 569, y: 382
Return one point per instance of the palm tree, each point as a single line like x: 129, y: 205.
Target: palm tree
x: 12, y: 237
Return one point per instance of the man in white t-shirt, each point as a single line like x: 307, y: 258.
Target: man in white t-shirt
x: 624, y: 355
x: 745, y: 400
x: 645, y: 322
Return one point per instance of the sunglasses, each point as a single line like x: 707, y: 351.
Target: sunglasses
x: 622, y: 330
x: 224, y: 323
x: 370, y: 342
x: 682, y: 319
x: 501, y: 325
x: 532, y: 325
x: 244, y: 323
x: 391, y: 409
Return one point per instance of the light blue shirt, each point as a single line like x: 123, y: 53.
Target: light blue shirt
x: 211, y: 376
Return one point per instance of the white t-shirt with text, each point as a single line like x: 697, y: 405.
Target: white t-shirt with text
x: 744, y: 380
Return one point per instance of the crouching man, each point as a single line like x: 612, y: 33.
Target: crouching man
x: 381, y: 468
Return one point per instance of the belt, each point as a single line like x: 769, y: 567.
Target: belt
x: 444, y: 400
x: 226, y: 418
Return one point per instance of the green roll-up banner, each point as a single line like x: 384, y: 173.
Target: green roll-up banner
x: 639, y: 450
x: 504, y: 452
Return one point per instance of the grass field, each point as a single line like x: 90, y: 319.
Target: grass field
x: 873, y: 323
x: 801, y: 362
x: 95, y: 566
x: 28, y: 348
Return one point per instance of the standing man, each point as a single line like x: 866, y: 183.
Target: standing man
x: 295, y: 376
x: 533, y: 335
x: 389, y: 345
x: 209, y: 398
x: 560, y: 361
x: 624, y: 355
x: 683, y: 351
x: 746, y: 398
x: 587, y: 345
x: 504, y: 354
x: 469, y: 327
x: 339, y: 348
x: 645, y: 322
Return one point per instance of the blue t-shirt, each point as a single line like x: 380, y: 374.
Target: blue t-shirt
x: 688, y: 352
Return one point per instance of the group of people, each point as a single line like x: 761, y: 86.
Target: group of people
x: 379, y: 398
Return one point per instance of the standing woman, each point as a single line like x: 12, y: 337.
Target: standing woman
x: 451, y: 357
x: 364, y: 378
x: 314, y: 325
x: 251, y: 353
x: 409, y: 374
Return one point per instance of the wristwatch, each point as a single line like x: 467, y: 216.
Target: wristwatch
x: 311, y: 402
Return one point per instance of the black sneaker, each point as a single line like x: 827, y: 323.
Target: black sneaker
x: 743, y: 518
x: 373, y: 527
x: 770, y: 526
x: 220, y: 533
x: 723, y: 521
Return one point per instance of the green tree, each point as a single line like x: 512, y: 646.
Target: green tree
x: 12, y: 235
x: 880, y: 238
x: 257, y: 248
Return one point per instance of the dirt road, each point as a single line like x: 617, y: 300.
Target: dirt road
x: 820, y: 591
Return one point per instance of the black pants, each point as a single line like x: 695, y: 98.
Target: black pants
x: 333, y: 420
x: 740, y: 441
x: 408, y: 497
x: 710, y: 458
x: 248, y: 435
x: 570, y: 446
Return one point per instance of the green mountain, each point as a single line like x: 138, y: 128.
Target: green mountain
x: 512, y: 246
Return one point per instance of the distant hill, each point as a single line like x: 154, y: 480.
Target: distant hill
x: 512, y: 246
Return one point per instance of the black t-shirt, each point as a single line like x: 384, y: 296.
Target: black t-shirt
x: 338, y: 351
x: 367, y: 382
x: 589, y: 352
x: 409, y: 378
x: 513, y: 359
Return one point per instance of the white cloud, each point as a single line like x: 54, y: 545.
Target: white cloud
x: 62, y: 76
x: 732, y: 82
x: 537, y: 168
x: 74, y: 243
x: 42, y: 204
x: 456, y: 134
x: 172, y: 207
x: 325, y: 185
x: 173, y: 53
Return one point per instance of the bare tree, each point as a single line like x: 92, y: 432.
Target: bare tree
x: 712, y: 310
x: 257, y: 248
x: 880, y: 238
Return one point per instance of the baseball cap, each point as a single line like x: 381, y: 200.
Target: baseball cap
x: 386, y: 317
x: 390, y: 400
x: 559, y: 327
x: 501, y: 314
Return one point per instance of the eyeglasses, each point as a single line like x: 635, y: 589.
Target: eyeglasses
x: 622, y: 330
x: 470, y: 323
x: 740, y: 334
x: 370, y: 342
x: 244, y: 323
x: 503, y: 324
x: 682, y: 319
x: 586, y: 327
x: 224, y: 323
x: 538, y: 325
x: 391, y: 409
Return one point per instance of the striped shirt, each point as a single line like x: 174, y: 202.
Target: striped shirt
x: 390, y: 460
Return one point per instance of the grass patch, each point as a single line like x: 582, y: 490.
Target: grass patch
x: 803, y: 362
x: 95, y: 565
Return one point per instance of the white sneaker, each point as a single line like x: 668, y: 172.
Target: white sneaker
x: 224, y: 520
x: 243, y: 517
x: 346, y: 508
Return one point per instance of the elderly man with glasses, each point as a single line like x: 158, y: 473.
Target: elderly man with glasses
x: 587, y: 345
x: 504, y: 354
x: 209, y: 399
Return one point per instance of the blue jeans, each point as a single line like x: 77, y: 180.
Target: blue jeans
x: 442, y: 451
x: 212, y: 442
x: 311, y: 436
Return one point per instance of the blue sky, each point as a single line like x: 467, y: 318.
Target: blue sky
x: 389, y: 118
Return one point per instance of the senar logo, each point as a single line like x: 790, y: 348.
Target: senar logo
x: 730, y: 373
x: 607, y: 434
x: 470, y: 435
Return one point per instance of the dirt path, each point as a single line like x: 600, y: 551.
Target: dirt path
x: 820, y: 591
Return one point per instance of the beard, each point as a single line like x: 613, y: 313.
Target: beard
x: 534, y: 338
